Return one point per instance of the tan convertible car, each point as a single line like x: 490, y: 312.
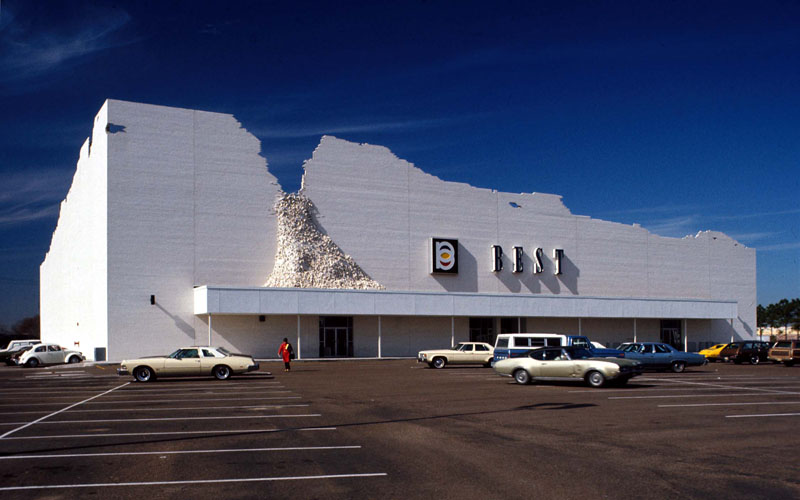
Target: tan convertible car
x: 188, y: 362
x: 568, y: 363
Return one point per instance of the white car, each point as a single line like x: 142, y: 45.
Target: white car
x: 464, y: 353
x: 49, y: 354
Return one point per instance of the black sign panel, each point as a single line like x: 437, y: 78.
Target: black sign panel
x: 444, y: 256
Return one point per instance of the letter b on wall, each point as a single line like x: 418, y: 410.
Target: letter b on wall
x: 444, y: 256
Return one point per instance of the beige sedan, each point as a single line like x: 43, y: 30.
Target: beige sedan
x: 464, y: 353
x: 568, y: 363
x: 188, y: 362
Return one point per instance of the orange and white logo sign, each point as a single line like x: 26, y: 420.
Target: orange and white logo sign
x: 444, y: 256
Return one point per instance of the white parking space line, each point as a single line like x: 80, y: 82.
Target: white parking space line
x: 178, y: 386
x: 176, y: 433
x: 205, y: 408
x: 757, y: 403
x: 187, y: 384
x: 133, y: 396
x: 665, y: 396
x: 182, y: 452
x: 166, y: 419
x: 714, y: 376
x: 722, y: 385
x: 5, y: 436
x: 685, y: 389
x: 70, y: 374
x: 154, y: 392
x: 765, y: 415
x: 194, y: 481
x: 138, y: 401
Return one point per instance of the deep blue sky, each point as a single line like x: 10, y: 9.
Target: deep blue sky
x: 678, y: 116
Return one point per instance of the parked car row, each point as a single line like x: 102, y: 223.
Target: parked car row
x: 33, y: 353
x: 755, y: 351
x: 541, y: 356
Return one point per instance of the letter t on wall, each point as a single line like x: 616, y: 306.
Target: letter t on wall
x: 558, y: 254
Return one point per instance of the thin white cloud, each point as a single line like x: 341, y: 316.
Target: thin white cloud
x: 775, y: 213
x: 32, y: 194
x: 676, y: 227
x: 320, y: 130
x: 27, y: 54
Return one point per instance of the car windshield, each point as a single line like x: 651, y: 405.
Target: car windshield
x: 629, y: 348
x: 224, y: 351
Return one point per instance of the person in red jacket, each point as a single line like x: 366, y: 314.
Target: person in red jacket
x: 285, y: 352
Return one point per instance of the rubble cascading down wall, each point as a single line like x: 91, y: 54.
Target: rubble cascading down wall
x: 305, y: 257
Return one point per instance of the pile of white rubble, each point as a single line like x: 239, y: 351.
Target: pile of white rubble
x: 306, y: 258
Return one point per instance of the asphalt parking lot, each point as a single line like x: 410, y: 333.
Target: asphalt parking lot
x: 396, y: 429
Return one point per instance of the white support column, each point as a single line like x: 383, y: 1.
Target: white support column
x: 298, y: 338
x: 685, y: 335
x: 209, y: 330
x: 634, y: 330
x: 732, y: 330
x: 580, y: 327
x: 379, y: 337
x: 519, y: 324
x: 452, y: 331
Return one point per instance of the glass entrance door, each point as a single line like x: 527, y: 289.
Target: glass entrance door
x: 671, y: 333
x: 335, y: 336
x: 335, y: 340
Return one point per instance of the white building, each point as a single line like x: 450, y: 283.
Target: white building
x: 171, y: 230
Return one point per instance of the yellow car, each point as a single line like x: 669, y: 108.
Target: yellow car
x: 712, y: 353
x: 189, y: 362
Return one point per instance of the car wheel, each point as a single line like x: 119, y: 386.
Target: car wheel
x: 439, y: 362
x: 32, y: 363
x: 788, y: 363
x: 678, y: 366
x: 595, y: 379
x: 143, y: 374
x: 222, y: 372
x: 754, y: 359
x: 522, y: 377
x: 73, y: 359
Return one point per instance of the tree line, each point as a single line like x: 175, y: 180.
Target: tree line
x: 26, y: 328
x: 783, y: 314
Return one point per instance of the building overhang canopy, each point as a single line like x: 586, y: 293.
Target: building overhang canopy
x: 222, y: 300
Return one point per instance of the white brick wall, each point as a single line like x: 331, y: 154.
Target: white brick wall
x: 175, y: 198
x: 73, y: 284
x: 382, y: 210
